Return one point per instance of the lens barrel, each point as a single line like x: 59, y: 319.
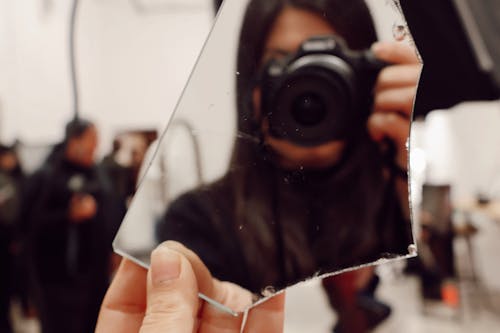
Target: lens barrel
x: 320, y: 94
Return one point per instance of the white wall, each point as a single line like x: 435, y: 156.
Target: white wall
x: 462, y: 148
x: 132, y: 66
x: 37, y: 92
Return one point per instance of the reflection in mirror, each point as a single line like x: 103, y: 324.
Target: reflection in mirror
x: 286, y: 156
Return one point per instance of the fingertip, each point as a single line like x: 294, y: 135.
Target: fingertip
x: 177, y: 247
x: 378, y: 48
x: 395, y: 52
x: 376, y: 125
x: 387, y: 51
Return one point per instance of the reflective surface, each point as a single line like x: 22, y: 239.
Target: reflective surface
x: 286, y: 156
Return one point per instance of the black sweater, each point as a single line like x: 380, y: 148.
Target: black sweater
x: 294, y: 226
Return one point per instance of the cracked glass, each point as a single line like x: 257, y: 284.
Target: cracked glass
x: 286, y: 156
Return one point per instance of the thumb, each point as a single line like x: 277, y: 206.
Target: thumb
x: 172, y: 296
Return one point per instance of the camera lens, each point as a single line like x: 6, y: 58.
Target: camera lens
x: 308, y: 109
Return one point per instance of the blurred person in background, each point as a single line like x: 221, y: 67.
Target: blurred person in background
x: 71, y: 215
x: 120, y: 175
x: 11, y: 178
x: 123, y: 163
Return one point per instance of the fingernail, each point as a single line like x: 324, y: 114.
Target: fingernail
x: 165, y: 265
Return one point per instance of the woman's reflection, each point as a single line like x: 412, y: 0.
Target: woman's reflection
x: 288, y: 209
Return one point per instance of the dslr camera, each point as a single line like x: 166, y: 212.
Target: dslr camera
x: 323, y: 92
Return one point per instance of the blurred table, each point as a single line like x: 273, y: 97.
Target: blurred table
x: 471, y: 205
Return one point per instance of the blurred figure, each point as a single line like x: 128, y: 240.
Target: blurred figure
x: 72, y: 214
x: 352, y: 295
x: 123, y: 163
x: 119, y: 175
x: 10, y: 188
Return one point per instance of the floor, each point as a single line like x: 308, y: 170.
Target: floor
x: 307, y: 309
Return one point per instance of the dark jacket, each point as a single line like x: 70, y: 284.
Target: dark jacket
x: 62, y: 252
x: 298, y: 224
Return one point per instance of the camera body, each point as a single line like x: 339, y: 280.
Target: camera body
x: 322, y: 93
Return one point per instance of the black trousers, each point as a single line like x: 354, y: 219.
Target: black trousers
x: 69, y: 308
x: 6, y: 268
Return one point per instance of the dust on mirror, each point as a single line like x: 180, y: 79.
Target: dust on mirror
x: 286, y: 157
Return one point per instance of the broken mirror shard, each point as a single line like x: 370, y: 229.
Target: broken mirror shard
x: 280, y: 162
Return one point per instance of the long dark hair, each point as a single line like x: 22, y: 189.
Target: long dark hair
x: 252, y: 176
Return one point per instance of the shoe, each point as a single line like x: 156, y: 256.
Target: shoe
x: 375, y: 311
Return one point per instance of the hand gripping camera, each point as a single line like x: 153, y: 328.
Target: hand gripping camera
x: 324, y: 92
